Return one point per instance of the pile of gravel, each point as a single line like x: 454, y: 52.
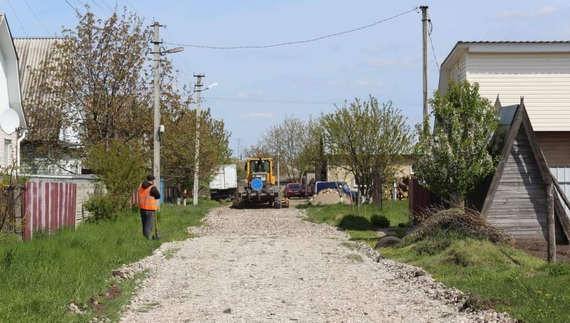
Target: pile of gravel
x: 270, y: 265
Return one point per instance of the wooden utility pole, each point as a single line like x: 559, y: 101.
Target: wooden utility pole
x: 425, y: 21
x: 551, y: 227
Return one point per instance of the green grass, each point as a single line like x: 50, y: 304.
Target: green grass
x: 502, y: 277
x: 356, y: 220
x: 40, y: 278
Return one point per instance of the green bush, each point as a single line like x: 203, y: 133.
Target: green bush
x: 102, y: 208
x: 379, y: 221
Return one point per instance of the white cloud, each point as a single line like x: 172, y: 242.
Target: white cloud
x: 363, y: 83
x: 395, y: 62
x: 544, y: 11
x: 257, y: 115
x: 242, y: 94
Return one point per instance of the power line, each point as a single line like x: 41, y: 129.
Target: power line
x: 17, y: 18
x: 431, y: 43
x: 298, y: 41
x: 187, y: 73
x: 276, y: 101
x: 129, y: 3
x: 33, y: 12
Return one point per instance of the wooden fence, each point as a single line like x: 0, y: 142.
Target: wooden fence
x: 48, y: 206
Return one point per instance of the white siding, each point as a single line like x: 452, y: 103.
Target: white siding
x: 459, y: 71
x: 542, y: 78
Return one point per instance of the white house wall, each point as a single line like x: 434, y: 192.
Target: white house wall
x: 7, y: 156
x: 542, y: 78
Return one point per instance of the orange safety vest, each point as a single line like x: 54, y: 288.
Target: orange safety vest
x: 146, y: 201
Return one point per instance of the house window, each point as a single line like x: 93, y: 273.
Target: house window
x: 7, y: 149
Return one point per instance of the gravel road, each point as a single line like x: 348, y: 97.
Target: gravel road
x: 272, y: 266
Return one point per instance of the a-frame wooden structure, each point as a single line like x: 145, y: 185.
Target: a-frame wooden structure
x: 517, y: 199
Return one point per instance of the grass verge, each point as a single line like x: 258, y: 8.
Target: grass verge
x: 498, y: 276
x: 40, y: 278
x: 356, y: 220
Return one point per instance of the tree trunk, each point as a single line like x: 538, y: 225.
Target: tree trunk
x: 376, y: 190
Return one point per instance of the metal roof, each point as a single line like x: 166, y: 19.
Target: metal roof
x: 32, y: 52
x: 514, y: 42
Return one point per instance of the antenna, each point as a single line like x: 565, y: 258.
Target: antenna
x: 9, y: 121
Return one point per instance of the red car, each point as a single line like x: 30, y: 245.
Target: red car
x: 294, y: 190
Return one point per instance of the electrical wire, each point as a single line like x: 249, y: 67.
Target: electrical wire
x: 431, y: 43
x: 17, y: 18
x: 34, y: 13
x: 298, y: 41
x: 275, y: 101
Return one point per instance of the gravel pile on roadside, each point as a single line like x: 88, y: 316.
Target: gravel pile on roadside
x: 272, y: 266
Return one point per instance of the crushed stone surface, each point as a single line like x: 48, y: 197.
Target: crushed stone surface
x: 270, y: 265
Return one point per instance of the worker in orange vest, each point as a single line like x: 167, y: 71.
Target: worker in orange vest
x: 148, y: 204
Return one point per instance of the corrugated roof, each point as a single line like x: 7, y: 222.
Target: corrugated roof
x: 32, y: 52
x: 514, y: 42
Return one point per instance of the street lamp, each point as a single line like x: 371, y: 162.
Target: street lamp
x: 199, y: 91
x: 158, y: 129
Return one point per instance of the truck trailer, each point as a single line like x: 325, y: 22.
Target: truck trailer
x: 224, y: 184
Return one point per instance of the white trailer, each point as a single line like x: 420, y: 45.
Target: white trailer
x: 224, y: 184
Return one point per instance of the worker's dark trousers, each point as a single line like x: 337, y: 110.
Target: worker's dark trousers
x: 147, y: 219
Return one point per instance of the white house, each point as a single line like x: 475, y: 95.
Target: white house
x: 12, y: 121
x: 537, y: 70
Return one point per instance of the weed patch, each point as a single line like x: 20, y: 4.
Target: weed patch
x: 355, y: 257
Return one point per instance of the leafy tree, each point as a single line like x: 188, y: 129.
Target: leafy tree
x: 120, y: 167
x: 366, y: 139
x: 179, y: 146
x: 453, y: 158
x: 95, y: 83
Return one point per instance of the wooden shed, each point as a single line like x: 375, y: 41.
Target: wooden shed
x: 516, y: 200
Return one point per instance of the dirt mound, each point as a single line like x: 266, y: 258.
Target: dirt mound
x: 329, y: 196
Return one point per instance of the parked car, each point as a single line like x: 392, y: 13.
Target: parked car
x: 294, y: 190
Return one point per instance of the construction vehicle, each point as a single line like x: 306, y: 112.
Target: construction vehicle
x: 260, y: 188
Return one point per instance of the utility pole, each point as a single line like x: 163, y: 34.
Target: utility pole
x: 156, y: 128
x: 239, y: 151
x: 425, y: 21
x: 197, y: 153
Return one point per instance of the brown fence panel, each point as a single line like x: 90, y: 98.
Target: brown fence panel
x: 419, y: 198
x: 49, y: 206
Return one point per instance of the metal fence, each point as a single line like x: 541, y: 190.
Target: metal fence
x: 48, y: 206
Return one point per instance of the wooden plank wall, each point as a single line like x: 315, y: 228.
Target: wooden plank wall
x: 519, y: 206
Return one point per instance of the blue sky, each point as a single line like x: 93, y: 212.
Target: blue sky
x: 258, y: 87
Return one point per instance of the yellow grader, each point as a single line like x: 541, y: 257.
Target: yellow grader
x: 261, y: 188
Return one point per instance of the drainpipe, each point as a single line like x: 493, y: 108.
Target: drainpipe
x: 22, y: 135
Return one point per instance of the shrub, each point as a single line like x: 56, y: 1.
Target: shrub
x: 379, y: 221
x: 102, y: 208
x: 457, y: 223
